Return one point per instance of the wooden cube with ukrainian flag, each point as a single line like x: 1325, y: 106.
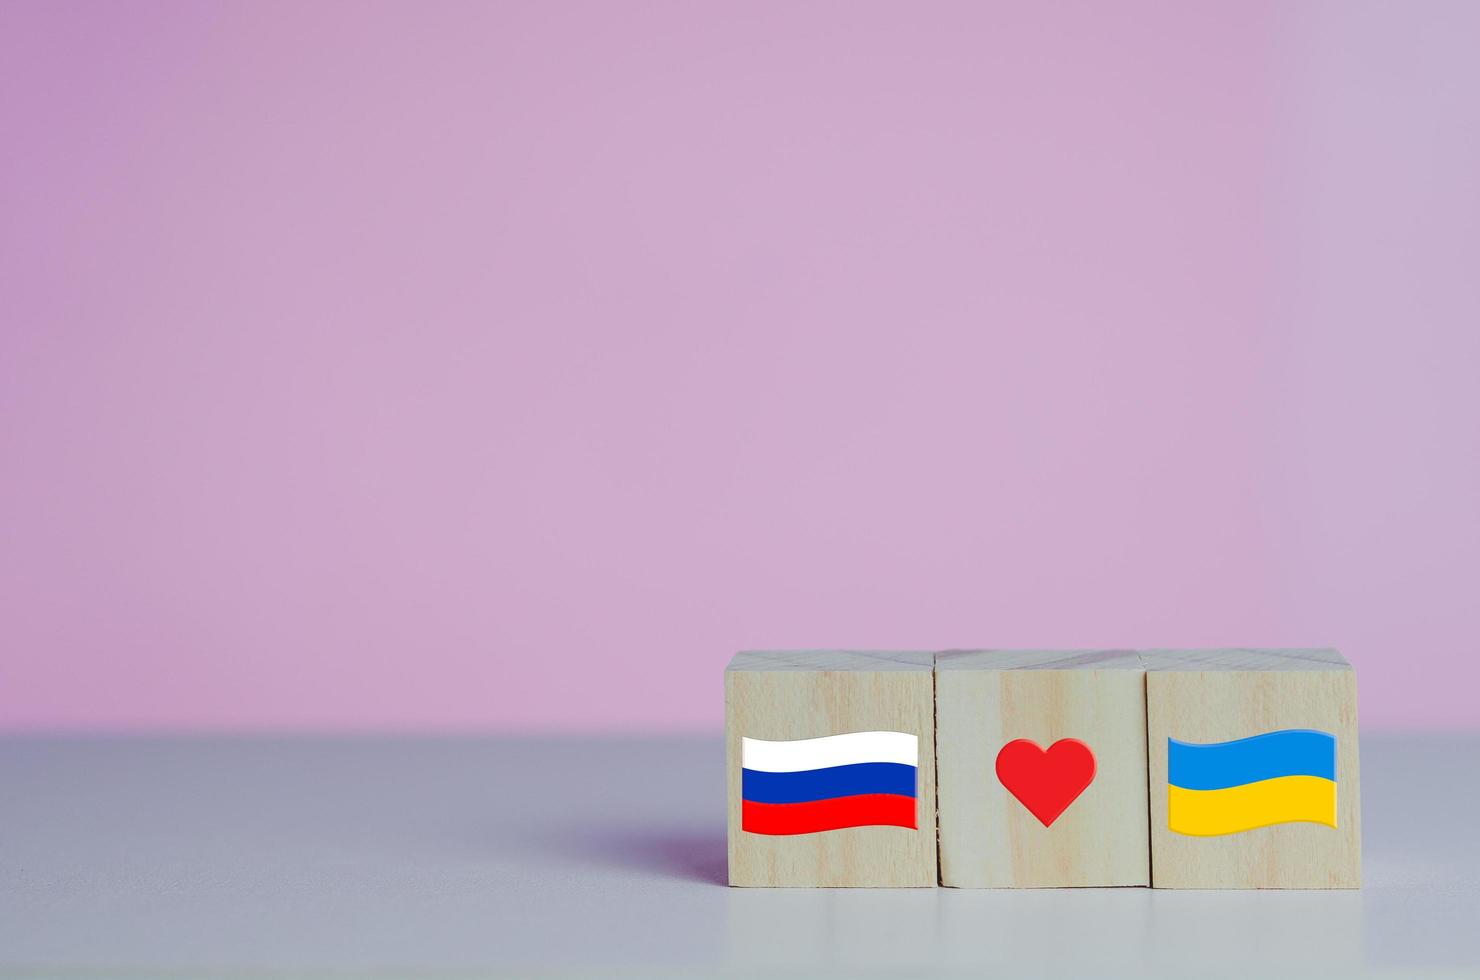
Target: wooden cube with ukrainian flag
x: 830, y: 760
x: 1253, y: 769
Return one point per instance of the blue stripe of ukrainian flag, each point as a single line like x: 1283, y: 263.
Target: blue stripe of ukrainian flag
x: 1229, y: 787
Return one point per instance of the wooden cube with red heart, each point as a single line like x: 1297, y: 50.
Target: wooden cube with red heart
x: 1041, y: 768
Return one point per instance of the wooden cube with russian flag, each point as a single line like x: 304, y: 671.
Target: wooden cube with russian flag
x: 830, y: 759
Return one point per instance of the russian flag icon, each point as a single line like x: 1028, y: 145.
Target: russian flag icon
x: 811, y: 785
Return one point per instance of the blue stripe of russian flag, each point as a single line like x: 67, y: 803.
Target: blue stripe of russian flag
x: 821, y: 784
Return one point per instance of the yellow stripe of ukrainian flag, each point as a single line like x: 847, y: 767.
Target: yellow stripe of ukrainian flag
x: 1287, y: 799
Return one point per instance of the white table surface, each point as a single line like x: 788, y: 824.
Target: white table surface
x: 462, y: 857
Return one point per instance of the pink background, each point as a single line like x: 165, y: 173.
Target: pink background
x: 508, y: 365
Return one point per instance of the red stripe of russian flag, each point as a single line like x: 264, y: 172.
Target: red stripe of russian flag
x: 874, y: 809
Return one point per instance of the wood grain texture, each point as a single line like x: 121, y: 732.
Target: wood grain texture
x: 985, y: 699
x: 1220, y: 695
x: 809, y: 694
x: 812, y: 661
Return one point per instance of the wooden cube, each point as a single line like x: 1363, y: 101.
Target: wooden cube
x: 1041, y: 768
x: 831, y: 764
x: 1254, y: 774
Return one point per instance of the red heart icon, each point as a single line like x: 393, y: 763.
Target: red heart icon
x: 1046, y: 782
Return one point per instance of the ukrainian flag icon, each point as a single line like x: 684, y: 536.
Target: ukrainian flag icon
x: 1229, y: 787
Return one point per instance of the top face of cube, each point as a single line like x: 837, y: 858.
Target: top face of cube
x: 809, y: 660
x: 1038, y: 660
x: 1244, y: 659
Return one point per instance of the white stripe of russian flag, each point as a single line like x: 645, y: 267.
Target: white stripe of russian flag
x: 830, y: 750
